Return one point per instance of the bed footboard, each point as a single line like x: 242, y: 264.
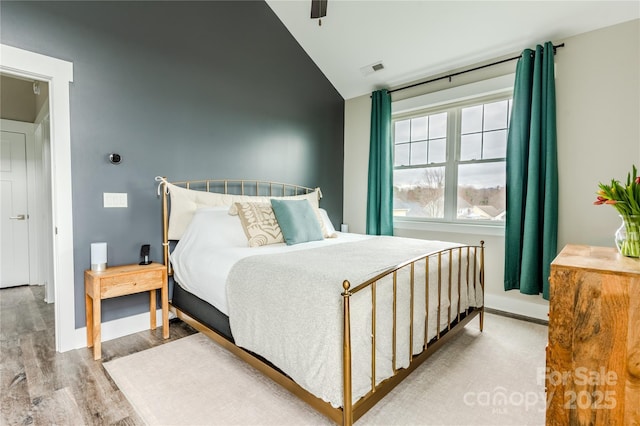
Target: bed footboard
x: 462, y: 280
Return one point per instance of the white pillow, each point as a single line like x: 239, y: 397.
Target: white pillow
x: 215, y: 224
x: 327, y: 227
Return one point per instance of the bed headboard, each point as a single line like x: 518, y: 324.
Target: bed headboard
x: 234, y: 187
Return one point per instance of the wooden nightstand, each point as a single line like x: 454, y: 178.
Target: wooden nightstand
x: 120, y: 281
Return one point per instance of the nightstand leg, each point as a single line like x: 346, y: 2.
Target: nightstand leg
x: 164, y: 295
x: 88, y: 307
x: 97, y: 316
x: 152, y: 308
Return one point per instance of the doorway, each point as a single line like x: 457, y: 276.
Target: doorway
x: 25, y: 174
x: 26, y: 222
x: 59, y: 74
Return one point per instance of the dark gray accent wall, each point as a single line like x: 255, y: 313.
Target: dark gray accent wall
x: 185, y: 90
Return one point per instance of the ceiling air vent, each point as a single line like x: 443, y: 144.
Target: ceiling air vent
x: 370, y: 69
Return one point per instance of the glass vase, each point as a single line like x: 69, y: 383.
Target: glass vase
x: 628, y: 236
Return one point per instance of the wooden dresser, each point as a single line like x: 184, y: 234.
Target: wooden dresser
x: 593, y: 356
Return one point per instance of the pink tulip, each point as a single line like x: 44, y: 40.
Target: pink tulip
x: 638, y: 180
x: 600, y: 200
x: 611, y: 202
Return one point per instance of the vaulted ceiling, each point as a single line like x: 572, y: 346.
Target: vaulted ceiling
x: 418, y: 39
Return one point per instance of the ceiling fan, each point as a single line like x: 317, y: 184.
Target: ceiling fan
x: 318, y: 10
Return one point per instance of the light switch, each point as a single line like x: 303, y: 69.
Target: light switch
x: 115, y: 199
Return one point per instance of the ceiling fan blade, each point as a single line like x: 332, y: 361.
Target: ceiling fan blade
x: 318, y: 8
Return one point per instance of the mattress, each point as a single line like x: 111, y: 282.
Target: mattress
x: 202, y: 311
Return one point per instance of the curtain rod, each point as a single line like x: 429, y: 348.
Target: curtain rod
x: 449, y: 76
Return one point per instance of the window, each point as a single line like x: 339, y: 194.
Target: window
x: 449, y: 162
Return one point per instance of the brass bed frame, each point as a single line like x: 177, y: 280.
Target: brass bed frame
x: 349, y: 412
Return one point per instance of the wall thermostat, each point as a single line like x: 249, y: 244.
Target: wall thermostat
x: 115, y: 158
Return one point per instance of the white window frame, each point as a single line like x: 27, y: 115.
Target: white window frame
x: 482, y: 92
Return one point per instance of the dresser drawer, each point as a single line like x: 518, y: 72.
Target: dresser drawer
x: 119, y: 285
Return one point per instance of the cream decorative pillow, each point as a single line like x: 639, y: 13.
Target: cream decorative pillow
x: 259, y: 223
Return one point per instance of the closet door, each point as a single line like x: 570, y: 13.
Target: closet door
x: 14, y: 220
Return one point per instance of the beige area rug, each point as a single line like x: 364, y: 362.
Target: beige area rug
x: 493, y: 378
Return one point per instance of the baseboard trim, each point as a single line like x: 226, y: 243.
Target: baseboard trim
x: 516, y: 316
x: 517, y: 304
x: 118, y: 328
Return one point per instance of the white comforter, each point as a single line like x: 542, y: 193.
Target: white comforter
x: 285, y: 303
x: 213, y: 242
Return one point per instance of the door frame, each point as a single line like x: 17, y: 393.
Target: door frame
x: 59, y: 74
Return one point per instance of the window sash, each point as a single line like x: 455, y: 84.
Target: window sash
x: 453, y: 153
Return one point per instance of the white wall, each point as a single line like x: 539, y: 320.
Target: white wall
x: 598, y: 119
x: 598, y: 100
x: 357, y: 117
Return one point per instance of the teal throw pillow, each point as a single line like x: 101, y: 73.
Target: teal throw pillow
x: 297, y: 220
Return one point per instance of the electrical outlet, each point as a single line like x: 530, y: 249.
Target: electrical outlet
x: 115, y: 199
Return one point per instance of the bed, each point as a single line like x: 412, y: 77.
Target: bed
x: 338, y: 319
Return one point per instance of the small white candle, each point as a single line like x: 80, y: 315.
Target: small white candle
x: 98, y: 256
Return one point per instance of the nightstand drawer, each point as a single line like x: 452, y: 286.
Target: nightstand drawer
x: 119, y: 285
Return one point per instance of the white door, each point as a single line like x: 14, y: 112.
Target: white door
x: 14, y: 225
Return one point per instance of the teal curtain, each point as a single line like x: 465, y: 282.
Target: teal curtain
x: 380, y: 185
x: 531, y: 227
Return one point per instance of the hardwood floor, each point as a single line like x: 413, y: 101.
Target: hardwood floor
x: 40, y: 386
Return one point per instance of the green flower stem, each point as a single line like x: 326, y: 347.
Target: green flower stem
x: 630, y: 245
